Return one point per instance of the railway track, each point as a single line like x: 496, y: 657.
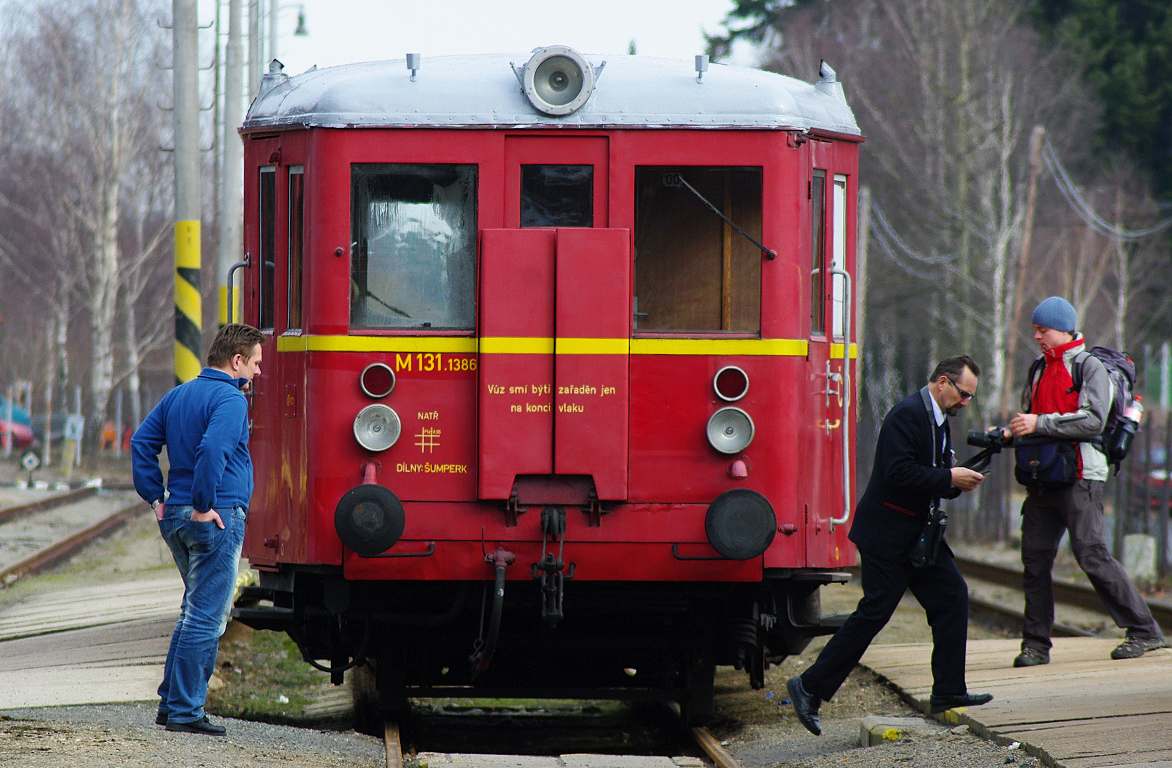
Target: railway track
x: 38, y: 534
x: 1065, y: 592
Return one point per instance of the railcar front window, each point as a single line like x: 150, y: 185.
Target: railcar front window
x: 692, y: 271
x: 413, y: 260
x: 557, y: 196
x: 268, y: 246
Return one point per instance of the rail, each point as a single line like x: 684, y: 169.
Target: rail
x: 56, y: 500
x: 59, y: 550
x: 1064, y: 591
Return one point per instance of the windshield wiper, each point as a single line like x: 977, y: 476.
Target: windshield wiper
x: 678, y: 180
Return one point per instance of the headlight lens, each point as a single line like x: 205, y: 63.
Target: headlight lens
x: 730, y: 430
x: 376, y: 427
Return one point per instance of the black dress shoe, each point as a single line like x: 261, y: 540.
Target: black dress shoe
x: 949, y: 701
x: 805, y: 705
x: 160, y: 718
x: 203, y: 727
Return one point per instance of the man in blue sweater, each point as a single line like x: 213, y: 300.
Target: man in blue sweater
x: 201, y: 512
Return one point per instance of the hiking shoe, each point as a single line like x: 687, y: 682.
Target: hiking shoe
x: 1032, y: 657
x: 1134, y: 647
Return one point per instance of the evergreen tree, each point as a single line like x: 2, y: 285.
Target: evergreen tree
x: 1126, y: 47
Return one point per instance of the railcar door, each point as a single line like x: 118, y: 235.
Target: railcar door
x: 829, y: 383
x: 263, y: 236
x: 554, y: 328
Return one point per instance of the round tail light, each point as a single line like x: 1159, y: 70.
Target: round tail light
x: 377, y: 380
x: 376, y: 427
x: 731, y: 383
x: 730, y: 430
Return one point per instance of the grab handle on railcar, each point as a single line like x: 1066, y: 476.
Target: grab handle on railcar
x: 231, y: 273
x: 846, y: 397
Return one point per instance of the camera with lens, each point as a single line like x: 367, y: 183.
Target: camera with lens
x: 993, y: 439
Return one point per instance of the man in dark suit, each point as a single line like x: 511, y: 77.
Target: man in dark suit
x: 913, y: 468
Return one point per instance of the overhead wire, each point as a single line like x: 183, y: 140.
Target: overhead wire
x: 1082, y: 207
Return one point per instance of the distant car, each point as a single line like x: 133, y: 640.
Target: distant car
x: 20, y: 426
x: 22, y: 434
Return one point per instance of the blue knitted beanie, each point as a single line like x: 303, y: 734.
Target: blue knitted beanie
x: 1057, y: 313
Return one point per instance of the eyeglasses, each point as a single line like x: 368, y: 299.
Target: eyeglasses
x: 964, y: 395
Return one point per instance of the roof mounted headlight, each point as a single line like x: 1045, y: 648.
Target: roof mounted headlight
x: 376, y: 427
x: 557, y: 80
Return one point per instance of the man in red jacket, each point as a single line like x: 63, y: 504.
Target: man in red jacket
x: 1051, y: 406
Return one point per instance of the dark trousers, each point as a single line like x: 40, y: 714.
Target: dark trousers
x: 1078, y: 509
x: 942, y: 592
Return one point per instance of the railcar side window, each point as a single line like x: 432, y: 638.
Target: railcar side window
x: 296, y: 244
x: 413, y: 262
x: 692, y: 271
x: 838, y: 287
x: 557, y: 196
x: 268, y: 246
x: 817, y: 252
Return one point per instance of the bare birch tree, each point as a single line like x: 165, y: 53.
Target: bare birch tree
x: 89, y: 118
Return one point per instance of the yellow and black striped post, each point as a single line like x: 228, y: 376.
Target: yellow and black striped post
x: 187, y: 301
x: 188, y: 304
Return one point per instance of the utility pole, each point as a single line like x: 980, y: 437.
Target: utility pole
x: 231, y: 202
x: 188, y: 310
x: 1027, y: 238
x: 274, y: 6
x: 254, y: 65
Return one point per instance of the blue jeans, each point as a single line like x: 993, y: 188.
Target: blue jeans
x: 208, y: 559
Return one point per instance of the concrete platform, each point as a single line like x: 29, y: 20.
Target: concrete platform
x: 91, y: 645
x: 1081, y: 710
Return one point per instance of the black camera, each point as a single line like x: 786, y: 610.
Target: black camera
x: 993, y: 439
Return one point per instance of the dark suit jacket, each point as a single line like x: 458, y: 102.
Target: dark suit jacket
x: 909, y: 472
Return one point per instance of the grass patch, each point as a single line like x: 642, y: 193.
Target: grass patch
x: 261, y: 676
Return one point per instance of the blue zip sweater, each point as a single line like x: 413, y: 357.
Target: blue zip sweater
x: 204, y: 424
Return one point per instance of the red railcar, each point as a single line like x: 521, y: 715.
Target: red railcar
x: 557, y: 393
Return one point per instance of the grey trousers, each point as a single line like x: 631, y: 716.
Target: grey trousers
x: 1079, y: 509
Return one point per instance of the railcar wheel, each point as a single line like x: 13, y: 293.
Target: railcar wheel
x: 698, y: 702
x: 376, y: 697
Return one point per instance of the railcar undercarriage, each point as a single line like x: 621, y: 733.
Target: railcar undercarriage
x: 614, y: 639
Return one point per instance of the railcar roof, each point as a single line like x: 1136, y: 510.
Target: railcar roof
x: 482, y: 92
